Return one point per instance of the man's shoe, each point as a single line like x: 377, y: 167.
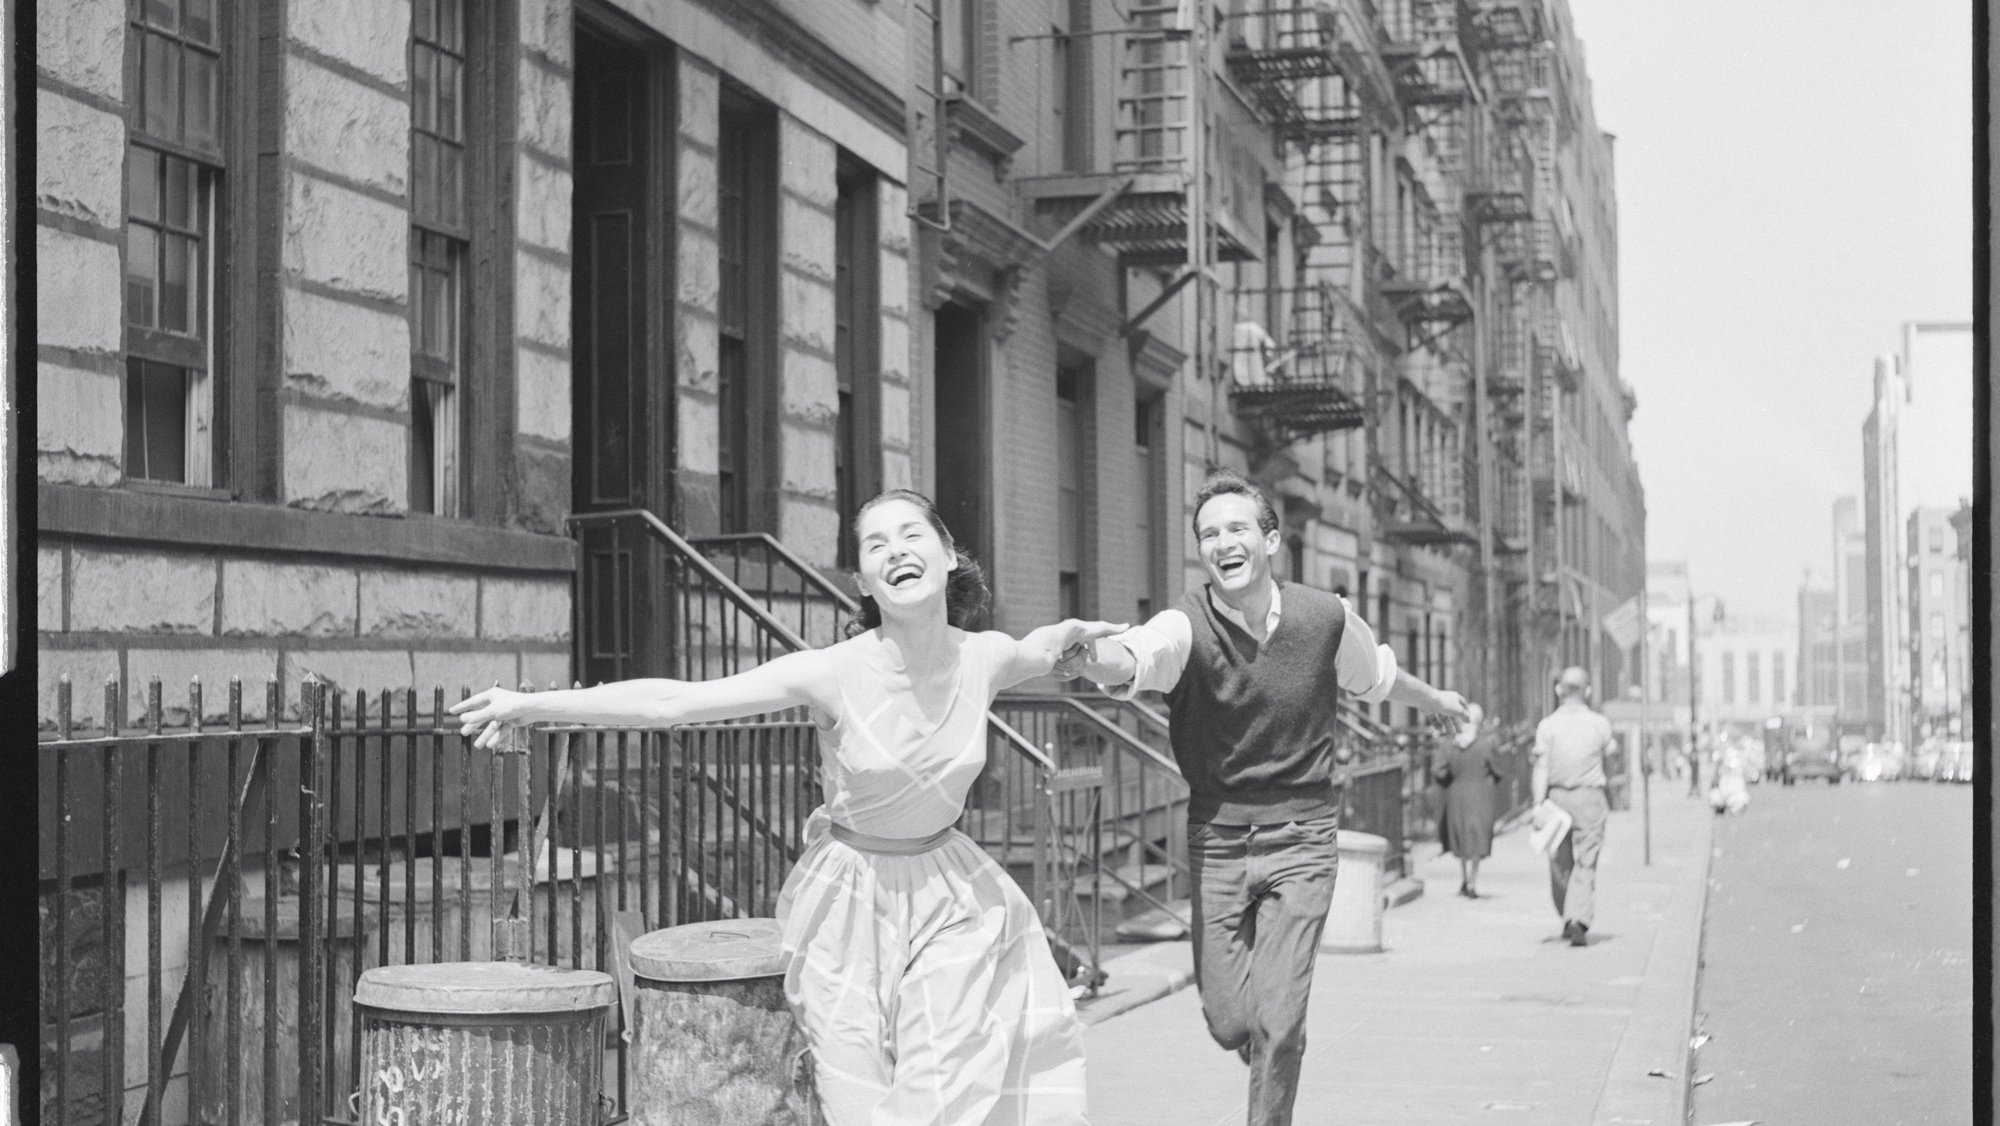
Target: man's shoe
x: 1576, y: 933
x: 1570, y: 931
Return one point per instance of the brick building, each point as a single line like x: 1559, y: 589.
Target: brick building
x: 1940, y: 606
x: 362, y: 325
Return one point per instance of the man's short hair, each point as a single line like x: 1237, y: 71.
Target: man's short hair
x: 1228, y: 481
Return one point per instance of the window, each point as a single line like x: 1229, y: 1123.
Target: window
x: 960, y: 34
x: 1073, y: 83
x: 1072, y: 513
x: 746, y: 212
x: 1729, y: 678
x: 857, y: 456
x: 1752, y: 680
x: 1147, y: 454
x: 173, y: 170
x: 1777, y: 678
x: 438, y: 253
x: 1937, y: 541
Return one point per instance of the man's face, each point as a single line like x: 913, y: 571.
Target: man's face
x: 1236, y: 552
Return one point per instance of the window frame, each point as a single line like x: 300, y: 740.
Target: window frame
x: 440, y: 252
x: 198, y: 352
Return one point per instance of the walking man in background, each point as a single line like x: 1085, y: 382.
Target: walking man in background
x: 1569, y: 771
x: 1253, y: 670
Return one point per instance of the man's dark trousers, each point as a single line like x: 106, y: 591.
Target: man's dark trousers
x: 1261, y: 894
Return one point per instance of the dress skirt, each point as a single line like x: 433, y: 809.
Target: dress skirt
x: 926, y: 991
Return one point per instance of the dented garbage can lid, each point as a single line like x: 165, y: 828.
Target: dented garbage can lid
x: 1351, y: 841
x: 721, y: 950
x: 485, y: 987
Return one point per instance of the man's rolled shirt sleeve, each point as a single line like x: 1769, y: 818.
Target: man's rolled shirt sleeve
x: 1160, y: 650
x: 1363, y: 669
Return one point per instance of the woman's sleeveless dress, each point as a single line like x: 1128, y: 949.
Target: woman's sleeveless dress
x: 923, y: 982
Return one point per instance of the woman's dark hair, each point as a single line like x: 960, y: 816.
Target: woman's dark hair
x: 965, y: 595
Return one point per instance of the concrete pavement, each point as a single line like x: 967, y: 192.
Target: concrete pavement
x: 1476, y: 1011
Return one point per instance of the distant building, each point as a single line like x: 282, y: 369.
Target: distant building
x: 1850, y: 605
x: 1940, y: 602
x: 1817, y: 684
x: 1887, y: 706
x: 1668, y: 703
x: 1747, y: 668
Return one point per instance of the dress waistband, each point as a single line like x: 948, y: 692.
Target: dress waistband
x: 890, y: 846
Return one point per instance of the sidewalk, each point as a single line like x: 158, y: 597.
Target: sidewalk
x: 1476, y: 1011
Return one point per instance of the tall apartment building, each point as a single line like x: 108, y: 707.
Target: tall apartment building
x: 1940, y: 608
x: 346, y: 377
x: 1882, y: 522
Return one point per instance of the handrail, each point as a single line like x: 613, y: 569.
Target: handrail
x: 1076, y: 703
x: 756, y: 610
x: 806, y: 571
x: 743, y: 599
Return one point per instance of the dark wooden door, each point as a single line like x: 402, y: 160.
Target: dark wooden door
x: 622, y: 381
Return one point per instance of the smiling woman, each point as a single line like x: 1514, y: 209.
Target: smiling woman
x: 966, y: 595
x: 918, y: 970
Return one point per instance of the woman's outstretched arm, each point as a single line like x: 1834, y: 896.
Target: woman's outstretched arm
x: 783, y: 682
x: 1036, y: 654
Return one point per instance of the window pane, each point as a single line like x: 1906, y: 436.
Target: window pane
x: 201, y: 100
x: 155, y: 422
x: 440, y: 313
x: 161, y: 94
x: 198, y: 20
x: 163, y: 14
x: 423, y: 20
x: 142, y: 183
x: 142, y: 275
x: 451, y: 25
x: 450, y: 79
x: 423, y: 110
x: 176, y: 294
x: 179, y: 193
x: 424, y: 159
x: 451, y: 196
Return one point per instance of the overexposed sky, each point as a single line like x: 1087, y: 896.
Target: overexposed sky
x: 1794, y: 182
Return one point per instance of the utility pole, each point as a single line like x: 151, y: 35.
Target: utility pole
x: 1694, y: 698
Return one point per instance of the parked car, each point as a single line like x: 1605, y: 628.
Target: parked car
x: 1877, y: 762
x: 1804, y: 750
x: 1954, y: 762
x: 1924, y: 764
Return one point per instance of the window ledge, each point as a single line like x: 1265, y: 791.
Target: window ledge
x: 170, y: 517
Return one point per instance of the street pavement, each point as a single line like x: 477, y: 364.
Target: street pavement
x: 1475, y: 1012
x: 1838, y: 978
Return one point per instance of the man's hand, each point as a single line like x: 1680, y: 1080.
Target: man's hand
x: 1069, y: 666
x: 1539, y: 816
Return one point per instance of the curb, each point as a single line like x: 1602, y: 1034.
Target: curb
x: 1660, y: 1032
x: 1153, y: 972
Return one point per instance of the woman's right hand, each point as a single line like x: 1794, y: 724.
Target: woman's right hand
x: 487, y: 715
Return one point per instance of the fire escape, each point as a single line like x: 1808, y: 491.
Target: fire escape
x: 1309, y: 67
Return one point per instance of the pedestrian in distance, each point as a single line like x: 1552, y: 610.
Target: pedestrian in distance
x: 918, y: 970
x: 1253, y: 670
x: 1569, y: 771
x: 1469, y: 776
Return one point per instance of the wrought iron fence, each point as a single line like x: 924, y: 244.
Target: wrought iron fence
x: 263, y: 869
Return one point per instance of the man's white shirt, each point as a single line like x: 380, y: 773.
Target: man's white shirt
x: 1160, y: 647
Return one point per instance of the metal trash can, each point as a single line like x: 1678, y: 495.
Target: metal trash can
x: 713, y: 1040
x: 1354, y: 921
x: 483, y: 1044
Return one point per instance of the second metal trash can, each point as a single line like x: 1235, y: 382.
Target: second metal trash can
x: 1354, y: 922
x: 483, y: 1044
x: 713, y: 1041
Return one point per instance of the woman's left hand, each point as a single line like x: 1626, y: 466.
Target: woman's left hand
x: 486, y: 716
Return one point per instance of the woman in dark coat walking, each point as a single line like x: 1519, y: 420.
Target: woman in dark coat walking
x: 1469, y: 775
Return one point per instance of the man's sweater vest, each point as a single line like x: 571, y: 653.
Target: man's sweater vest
x: 1253, y: 726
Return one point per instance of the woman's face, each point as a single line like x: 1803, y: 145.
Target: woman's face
x: 903, y: 561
